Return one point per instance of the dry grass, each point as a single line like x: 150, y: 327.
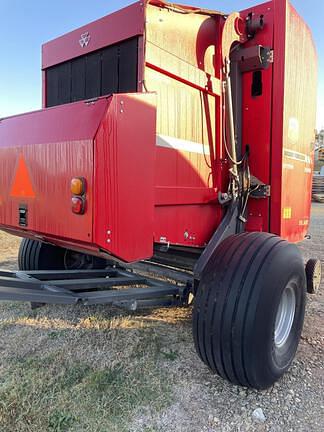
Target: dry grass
x: 57, y: 393
x: 77, y: 373
x: 83, y: 368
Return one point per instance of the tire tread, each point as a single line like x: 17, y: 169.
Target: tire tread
x: 226, y: 303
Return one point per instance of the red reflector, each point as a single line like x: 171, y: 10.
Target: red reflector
x: 77, y: 205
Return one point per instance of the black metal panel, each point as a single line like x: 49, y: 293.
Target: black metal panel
x: 128, y: 66
x: 78, y: 71
x: 59, y: 88
x: 52, y: 86
x: 256, y: 88
x: 109, y: 70
x: 93, y: 75
x: 64, y: 83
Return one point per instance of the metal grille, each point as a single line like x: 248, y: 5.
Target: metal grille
x: 109, y: 70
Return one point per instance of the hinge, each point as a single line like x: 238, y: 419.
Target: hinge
x: 270, y: 55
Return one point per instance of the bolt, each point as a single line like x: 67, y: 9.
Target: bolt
x: 108, y: 240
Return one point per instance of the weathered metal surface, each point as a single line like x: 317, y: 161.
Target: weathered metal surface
x: 293, y: 123
x: 124, y: 177
x: 183, y: 67
x: 121, y: 25
x: 40, y: 152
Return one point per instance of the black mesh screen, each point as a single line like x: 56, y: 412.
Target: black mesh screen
x: 109, y: 70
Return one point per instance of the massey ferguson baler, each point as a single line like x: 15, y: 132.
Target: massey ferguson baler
x: 173, y: 156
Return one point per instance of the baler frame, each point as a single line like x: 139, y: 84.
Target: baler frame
x: 90, y: 287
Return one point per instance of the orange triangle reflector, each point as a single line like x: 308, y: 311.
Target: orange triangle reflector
x: 22, y: 185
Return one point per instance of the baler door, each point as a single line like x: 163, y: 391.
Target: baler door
x: 294, y: 122
x: 125, y: 147
x: 40, y: 153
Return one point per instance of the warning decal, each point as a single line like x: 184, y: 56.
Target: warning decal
x: 22, y: 184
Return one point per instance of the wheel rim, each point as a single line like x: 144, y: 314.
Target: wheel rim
x: 285, y: 316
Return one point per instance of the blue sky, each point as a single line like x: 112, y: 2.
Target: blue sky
x: 25, y: 25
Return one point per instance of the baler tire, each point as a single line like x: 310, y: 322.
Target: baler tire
x: 36, y: 255
x: 237, y: 314
x: 313, y: 275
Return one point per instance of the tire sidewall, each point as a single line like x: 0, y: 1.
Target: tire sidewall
x: 283, y: 267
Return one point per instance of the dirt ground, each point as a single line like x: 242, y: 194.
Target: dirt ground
x: 98, y: 369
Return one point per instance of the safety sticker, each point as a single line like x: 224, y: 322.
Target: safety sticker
x: 22, y: 186
x: 287, y: 213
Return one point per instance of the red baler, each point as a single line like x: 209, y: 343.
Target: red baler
x: 176, y: 141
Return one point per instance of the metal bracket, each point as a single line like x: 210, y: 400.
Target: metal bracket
x: 224, y: 198
x: 259, y: 189
x: 227, y: 227
x: 253, y: 58
x: 254, y: 24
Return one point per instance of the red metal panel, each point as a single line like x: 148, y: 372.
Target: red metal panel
x: 186, y: 225
x: 186, y: 76
x: 44, y: 93
x: 256, y: 119
x: 280, y: 14
x: 294, y: 121
x: 41, y: 152
x: 141, y: 63
x: 72, y: 122
x: 183, y: 73
x: 185, y: 202
x: 124, y: 177
x: 121, y: 25
x: 279, y: 125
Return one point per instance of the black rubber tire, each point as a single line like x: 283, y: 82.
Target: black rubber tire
x: 313, y: 275
x: 36, y: 255
x: 236, y: 306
